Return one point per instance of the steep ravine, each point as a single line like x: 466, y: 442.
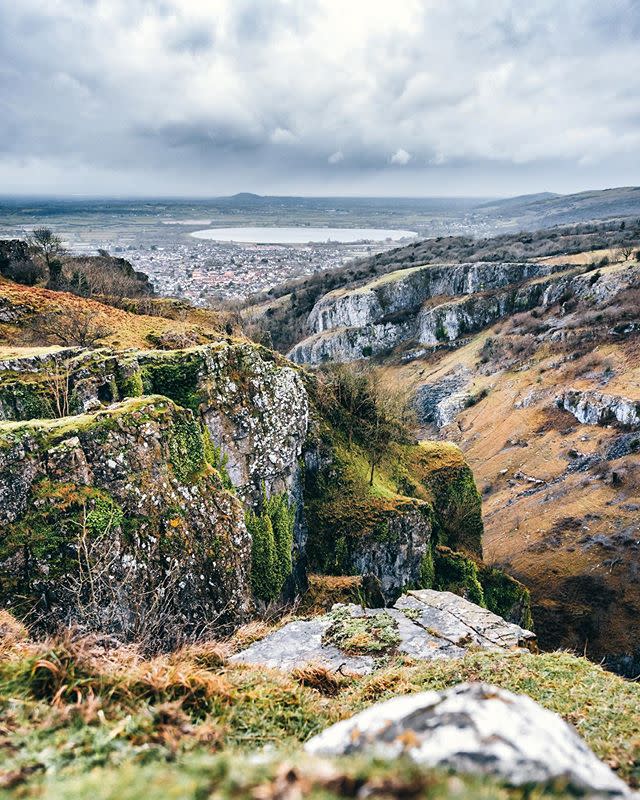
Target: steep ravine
x: 212, y: 476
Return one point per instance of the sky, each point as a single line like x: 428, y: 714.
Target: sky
x: 318, y: 97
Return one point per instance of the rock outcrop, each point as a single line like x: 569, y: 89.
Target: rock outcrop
x: 438, y: 304
x: 303, y: 487
x: 423, y: 624
x: 595, y: 408
x: 439, y: 403
x: 475, y: 728
x: 412, y: 305
x: 253, y: 404
x: 115, y: 521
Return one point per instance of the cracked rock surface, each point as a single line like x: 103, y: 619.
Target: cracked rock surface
x: 426, y: 624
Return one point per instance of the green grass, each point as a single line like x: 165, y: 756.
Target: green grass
x: 234, y: 777
x: 79, y: 722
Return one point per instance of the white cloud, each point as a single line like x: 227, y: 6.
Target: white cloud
x: 400, y: 157
x: 187, y: 90
x: 282, y: 136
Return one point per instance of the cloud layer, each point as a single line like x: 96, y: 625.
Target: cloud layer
x: 211, y: 96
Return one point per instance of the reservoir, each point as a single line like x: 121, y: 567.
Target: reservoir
x: 301, y: 235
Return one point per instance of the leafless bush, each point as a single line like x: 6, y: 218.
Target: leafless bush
x: 57, y: 378
x: 174, y: 340
x: 73, y: 327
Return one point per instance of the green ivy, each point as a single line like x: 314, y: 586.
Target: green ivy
x: 271, y: 533
x: 174, y: 377
x: 132, y: 385
x: 457, y: 573
x: 105, y: 516
x: 217, y: 459
x: 427, y: 570
x: 441, y: 334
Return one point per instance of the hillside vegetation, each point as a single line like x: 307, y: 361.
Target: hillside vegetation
x: 80, y: 719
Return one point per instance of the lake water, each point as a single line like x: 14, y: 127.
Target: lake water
x: 300, y: 235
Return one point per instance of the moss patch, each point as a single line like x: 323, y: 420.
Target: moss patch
x: 271, y: 531
x: 174, y: 375
x: 442, y: 470
x: 186, y: 448
x: 457, y: 573
x: 44, y: 541
x: 362, y: 635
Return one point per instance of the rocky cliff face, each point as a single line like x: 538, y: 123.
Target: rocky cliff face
x: 412, y: 306
x: 406, y: 290
x: 177, y: 449
x: 595, y: 408
x: 253, y: 405
x: 115, y: 521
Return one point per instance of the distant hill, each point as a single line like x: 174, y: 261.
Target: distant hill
x: 545, y: 210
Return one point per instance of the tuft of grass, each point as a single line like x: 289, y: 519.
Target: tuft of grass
x: 74, y: 708
x: 318, y: 677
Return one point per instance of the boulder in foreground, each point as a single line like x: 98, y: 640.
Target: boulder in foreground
x: 477, y: 729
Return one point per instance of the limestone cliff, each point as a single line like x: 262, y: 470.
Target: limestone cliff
x: 432, y: 305
x: 115, y: 521
x: 220, y: 453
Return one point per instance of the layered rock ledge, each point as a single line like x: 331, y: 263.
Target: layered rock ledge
x: 424, y: 625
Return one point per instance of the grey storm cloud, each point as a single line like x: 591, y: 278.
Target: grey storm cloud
x: 97, y: 95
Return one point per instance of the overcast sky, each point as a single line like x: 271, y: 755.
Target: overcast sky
x: 396, y: 97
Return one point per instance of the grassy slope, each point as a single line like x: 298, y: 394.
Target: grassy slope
x: 79, y: 721
x: 562, y: 542
x: 129, y: 330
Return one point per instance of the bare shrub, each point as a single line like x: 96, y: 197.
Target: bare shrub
x: 73, y: 327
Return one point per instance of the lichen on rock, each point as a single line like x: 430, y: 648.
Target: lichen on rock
x: 114, y: 521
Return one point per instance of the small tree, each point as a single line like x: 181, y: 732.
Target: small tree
x: 75, y: 327
x: 626, y: 251
x: 366, y: 408
x: 45, y: 242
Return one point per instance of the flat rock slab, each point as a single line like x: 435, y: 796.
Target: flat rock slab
x: 299, y: 643
x: 477, y: 729
x: 427, y: 624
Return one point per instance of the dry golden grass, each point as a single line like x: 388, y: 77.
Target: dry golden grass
x: 129, y: 330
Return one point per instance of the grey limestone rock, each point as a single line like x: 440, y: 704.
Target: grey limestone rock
x: 475, y: 728
x: 427, y: 624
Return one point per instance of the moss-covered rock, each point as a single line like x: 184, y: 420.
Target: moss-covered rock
x: 442, y: 470
x: 114, y: 520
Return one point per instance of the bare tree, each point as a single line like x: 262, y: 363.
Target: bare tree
x: 45, y: 242
x: 366, y: 408
x: 57, y: 379
x: 627, y: 251
x: 75, y: 327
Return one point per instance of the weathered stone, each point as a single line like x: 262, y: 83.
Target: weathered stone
x: 115, y: 521
x: 595, y: 408
x: 438, y: 304
x: 462, y: 622
x: 426, y: 624
x: 402, y: 306
x: 438, y: 403
x: 299, y: 643
x: 478, y: 729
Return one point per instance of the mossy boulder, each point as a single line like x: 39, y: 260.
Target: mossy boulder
x: 116, y: 521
